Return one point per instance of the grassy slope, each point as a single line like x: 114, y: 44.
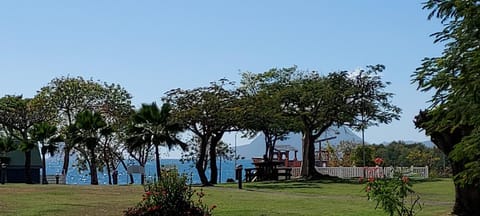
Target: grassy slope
x: 294, y: 198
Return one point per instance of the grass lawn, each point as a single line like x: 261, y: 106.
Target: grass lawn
x: 290, y: 198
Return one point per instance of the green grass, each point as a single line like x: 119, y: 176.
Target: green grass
x: 283, y: 198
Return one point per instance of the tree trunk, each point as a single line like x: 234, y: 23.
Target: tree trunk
x: 28, y: 164
x: 107, y: 163
x: 126, y: 168
x: 308, y: 147
x: 213, y: 164
x: 66, y: 160
x: 44, y: 169
x: 200, y: 162
x: 93, y: 169
x: 467, y: 197
x: 157, y: 162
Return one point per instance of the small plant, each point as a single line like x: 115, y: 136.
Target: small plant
x: 171, y: 195
x: 394, y: 195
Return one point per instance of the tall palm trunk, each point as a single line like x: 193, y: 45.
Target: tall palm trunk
x: 28, y: 163
x: 107, y: 163
x: 157, y: 162
x: 44, y: 168
x: 93, y: 168
x: 213, y: 164
x: 66, y: 159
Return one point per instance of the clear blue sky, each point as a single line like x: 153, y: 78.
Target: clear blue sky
x: 150, y: 47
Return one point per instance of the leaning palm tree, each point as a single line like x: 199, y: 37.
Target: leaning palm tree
x: 7, y: 144
x: 86, y: 132
x: 46, y: 134
x: 154, y: 126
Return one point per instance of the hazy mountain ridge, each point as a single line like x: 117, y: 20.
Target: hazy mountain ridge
x: 256, y: 148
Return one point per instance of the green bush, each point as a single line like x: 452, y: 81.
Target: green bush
x: 171, y: 195
x: 394, y: 195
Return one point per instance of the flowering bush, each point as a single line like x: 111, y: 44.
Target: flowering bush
x: 171, y: 195
x: 394, y: 195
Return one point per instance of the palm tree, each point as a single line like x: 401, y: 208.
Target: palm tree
x: 154, y: 126
x: 86, y: 132
x: 46, y: 134
x: 7, y: 144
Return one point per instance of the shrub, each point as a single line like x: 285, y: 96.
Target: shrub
x: 394, y: 195
x: 171, y: 195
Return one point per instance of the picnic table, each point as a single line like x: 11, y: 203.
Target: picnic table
x: 267, y: 170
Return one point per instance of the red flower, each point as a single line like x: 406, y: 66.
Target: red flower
x: 378, y: 160
x: 371, y: 179
x: 405, y: 179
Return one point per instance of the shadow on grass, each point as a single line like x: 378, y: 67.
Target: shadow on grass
x: 298, y: 184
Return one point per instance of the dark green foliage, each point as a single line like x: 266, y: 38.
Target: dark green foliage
x: 171, y: 195
x: 17, y: 117
x: 46, y: 134
x: 394, y: 195
x: 208, y: 113
x: 452, y: 120
x: 317, y: 102
x: 152, y: 126
x: 85, y: 135
x: 261, y: 106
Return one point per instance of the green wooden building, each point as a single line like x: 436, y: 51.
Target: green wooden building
x: 15, y: 170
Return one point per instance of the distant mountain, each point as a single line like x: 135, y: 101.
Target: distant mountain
x: 257, y: 147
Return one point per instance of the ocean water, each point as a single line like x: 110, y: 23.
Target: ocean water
x: 74, y: 176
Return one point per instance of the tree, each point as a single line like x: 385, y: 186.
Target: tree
x: 452, y: 121
x: 373, y: 103
x: 137, y: 147
x: 69, y: 96
x: 261, y: 107
x: 18, y: 115
x: 320, y: 102
x: 7, y: 144
x: 155, y: 127
x: 46, y: 134
x: 207, y: 112
x: 86, y: 133
x: 116, y: 109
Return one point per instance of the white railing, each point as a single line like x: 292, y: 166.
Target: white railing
x: 52, y: 179
x: 296, y: 172
x: 356, y: 172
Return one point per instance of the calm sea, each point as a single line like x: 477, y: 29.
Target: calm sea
x: 226, y: 170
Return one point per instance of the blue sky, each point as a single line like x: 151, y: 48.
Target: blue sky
x: 150, y: 47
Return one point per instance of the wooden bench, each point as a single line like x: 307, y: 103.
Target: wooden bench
x: 250, y: 174
x: 286, y: 172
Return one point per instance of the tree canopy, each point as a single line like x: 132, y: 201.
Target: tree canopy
x: 452, y: 120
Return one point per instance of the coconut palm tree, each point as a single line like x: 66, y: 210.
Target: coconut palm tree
x: 7, y: 144
x: 46, y: 135
x: 86, y: 132
x: 154, y: 126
